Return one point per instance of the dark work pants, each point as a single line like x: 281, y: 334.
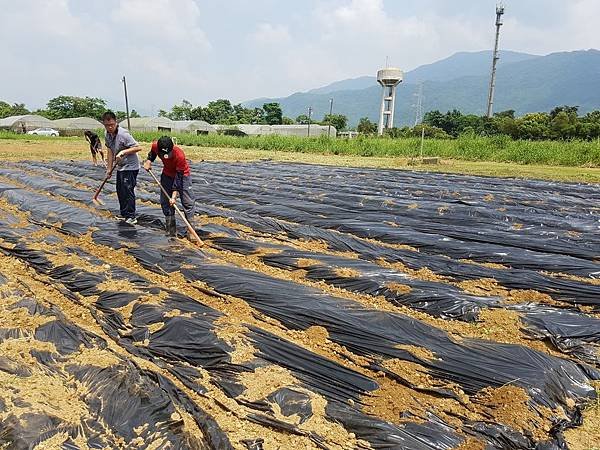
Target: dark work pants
x: 126, y: 181
x: 186, y: 195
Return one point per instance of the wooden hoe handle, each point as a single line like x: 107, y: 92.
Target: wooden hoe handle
x: 187, y: 223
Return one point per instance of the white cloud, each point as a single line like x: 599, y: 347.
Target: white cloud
x: 270, y: 34
x: 576, y: 30
x: 360, y: 12
x: 201, y: 50
x: 52, y: 50
x: 372, y: 33
x: 31, y: 22
x: 174, y: 21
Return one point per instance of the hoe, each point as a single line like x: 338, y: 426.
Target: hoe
x: 95, y: 199
x: 188, y: 225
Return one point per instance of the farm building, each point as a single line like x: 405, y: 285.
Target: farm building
x: 348, y: 134
x: 244, y: 130
x: 248, y: 130
x: 194, y: 126
x: 76, y: 125
x: 302, y: 130
x: 149, y: 124
x: 279, y: 130
x: 25, y: 123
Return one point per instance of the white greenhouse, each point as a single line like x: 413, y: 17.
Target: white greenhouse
x: 25, y: 123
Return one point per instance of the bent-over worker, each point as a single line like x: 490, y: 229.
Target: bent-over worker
x: 95, y: 146
x: 176, y: 180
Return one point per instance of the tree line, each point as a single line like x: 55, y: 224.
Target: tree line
x: 220, y: 111
x: 223, y: 112
x: 64, y: 107
x: 561, y: 123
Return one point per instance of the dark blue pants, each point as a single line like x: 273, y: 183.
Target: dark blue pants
x: 186, y: 195
x: 126, y: 181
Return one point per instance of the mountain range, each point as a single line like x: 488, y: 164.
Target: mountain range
x: 525, y: 83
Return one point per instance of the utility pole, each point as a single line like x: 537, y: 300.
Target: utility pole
x: 126, y: 103
x: 330, y: 113
x: 309, y: 116
x: 490, y: 105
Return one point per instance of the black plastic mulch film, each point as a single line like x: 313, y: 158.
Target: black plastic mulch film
x: 536, y: 229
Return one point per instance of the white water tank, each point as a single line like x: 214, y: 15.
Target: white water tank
x: 389, y: 79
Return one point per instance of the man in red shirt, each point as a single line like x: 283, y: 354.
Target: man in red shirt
x: 175, y: 178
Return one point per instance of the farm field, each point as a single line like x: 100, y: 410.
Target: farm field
x: 331, y: 307
x: 42, y: 148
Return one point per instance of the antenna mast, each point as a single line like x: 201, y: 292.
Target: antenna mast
x: 419, y: 105
x: 490, y: 105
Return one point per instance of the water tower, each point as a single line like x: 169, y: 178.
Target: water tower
x: 389, y: 79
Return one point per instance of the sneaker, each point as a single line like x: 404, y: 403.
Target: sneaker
x: 131, y: 220
x: 120, y: 218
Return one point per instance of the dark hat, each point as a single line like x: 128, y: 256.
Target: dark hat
x: 165, y: 145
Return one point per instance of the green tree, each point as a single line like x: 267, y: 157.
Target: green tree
x: 5, y: 109
x: 507, y: 126
x: 453, y: 122
x: 219, y: 111
x: 509, y: 113
x: 430, y: 132
x: 588, y: 130
x: 469, y: 122
x: 178, y: 112
x: 273, y: 114
x: 563, y: 125
x: 133, y: 114
x: 287, y: 121
x: 16, y: 109
x: 533, y: 126
x: 197, y: 113
x: 570, y: 111
x: 302, y: 119
x: 259, y: 116
x: 396, y: 133
x: 248, y: 115
x: 121, y: 115
x: 181, y: 112
x: 339, y: 121
x: 66, y: 106
x: 365, y: 126
x: 434, y: 119
x: 592, y: 117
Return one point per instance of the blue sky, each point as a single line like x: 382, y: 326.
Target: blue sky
x: 202, y: 50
